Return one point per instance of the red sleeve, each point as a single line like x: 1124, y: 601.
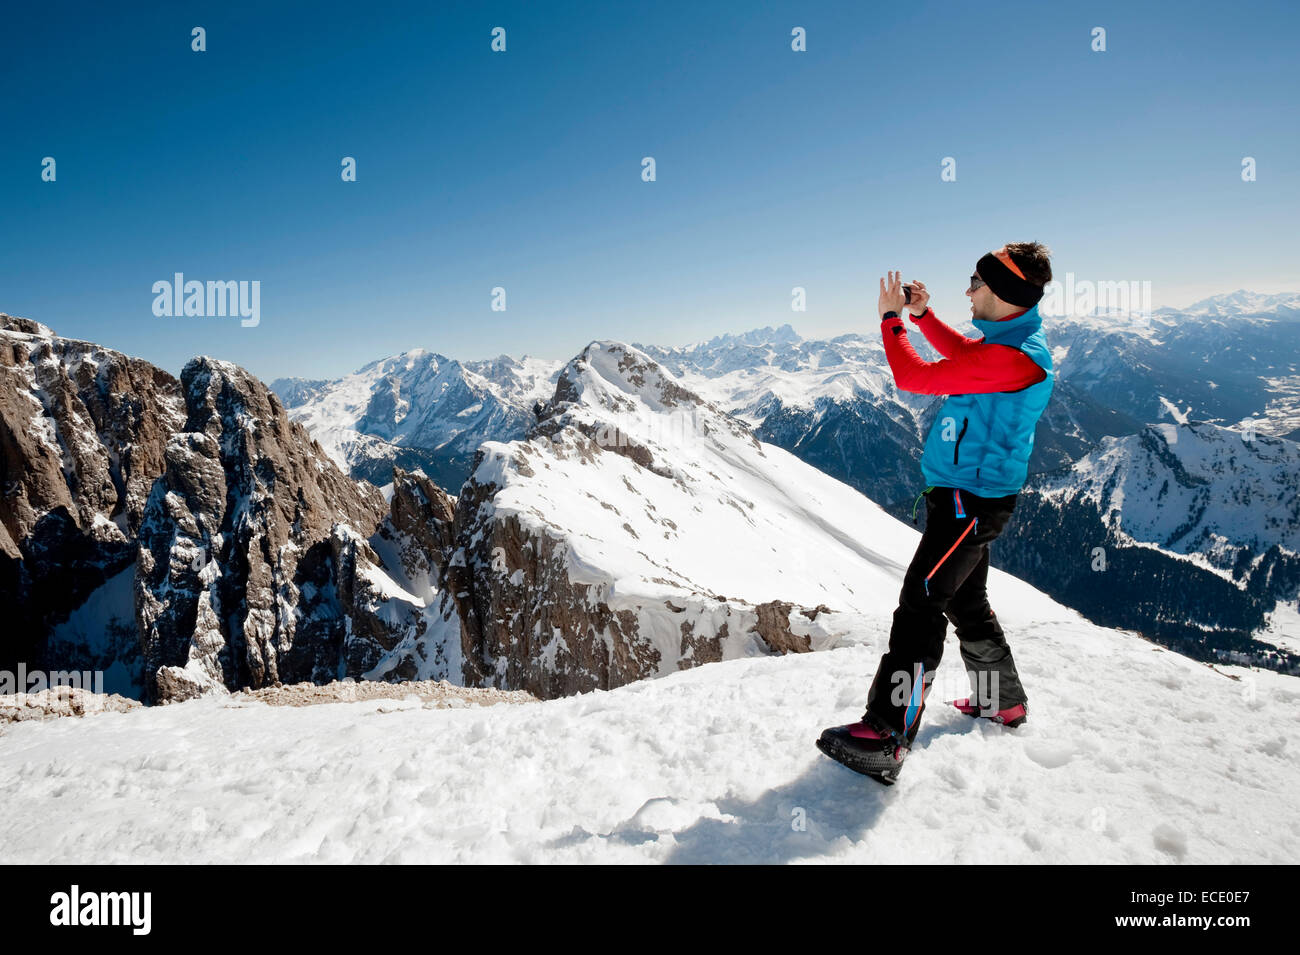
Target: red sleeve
x: 946, y: 340
x: 982, y: 368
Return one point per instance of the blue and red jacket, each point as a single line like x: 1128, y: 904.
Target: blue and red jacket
x: 998, y: 386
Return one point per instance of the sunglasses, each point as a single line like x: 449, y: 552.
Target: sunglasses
x: 976, y: 283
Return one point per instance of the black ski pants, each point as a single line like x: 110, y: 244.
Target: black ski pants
x: 947, y: 581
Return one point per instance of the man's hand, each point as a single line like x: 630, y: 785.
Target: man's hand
x: 891, y: 295
x: 920, y: 299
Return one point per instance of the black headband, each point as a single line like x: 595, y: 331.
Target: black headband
x: 1005, y: 284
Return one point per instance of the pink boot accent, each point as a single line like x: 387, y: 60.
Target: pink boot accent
x: 864, y: 731
x: 1011, y: 714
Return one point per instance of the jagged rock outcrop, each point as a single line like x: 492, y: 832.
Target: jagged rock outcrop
x: 426, y: 514
x: 54, y: 702
x: 184, y: 536
x: 83, y: 431
x: 245, y: 499
x: 773, y: 626
x: 416, y: 633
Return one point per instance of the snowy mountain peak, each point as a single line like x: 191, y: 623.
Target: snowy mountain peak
x: 416, y: 358
x: 610, y: 373
x: 206, y: 367
x: 1243, y: 302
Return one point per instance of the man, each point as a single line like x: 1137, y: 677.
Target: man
x: 975, y: 461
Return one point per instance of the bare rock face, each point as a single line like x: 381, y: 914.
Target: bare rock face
x: 426, y: 514
x: 355, y: 607
x: 404, y: 626
x: 82, y: 436
x: 774, y: 626
x: 184, y: 537
x: 525, y: 624
x: 246, y: 512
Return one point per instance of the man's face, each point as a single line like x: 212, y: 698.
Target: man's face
x: 982, y: 302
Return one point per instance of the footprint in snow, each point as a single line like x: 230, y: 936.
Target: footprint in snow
x: 1170, y: 840
x: 1049, y: 755
x: 1109, y: 763
x: 667, y: 814
x: 1275, y: 746
x: 954, y: 775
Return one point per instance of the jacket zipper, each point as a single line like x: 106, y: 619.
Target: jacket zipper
x: 965, y: 423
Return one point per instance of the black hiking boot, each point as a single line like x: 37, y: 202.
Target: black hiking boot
x: 866, y: 747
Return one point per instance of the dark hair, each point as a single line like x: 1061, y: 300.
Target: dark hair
x: 1033, y: 259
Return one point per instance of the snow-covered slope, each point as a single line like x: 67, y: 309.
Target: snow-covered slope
x: 1132, y: 754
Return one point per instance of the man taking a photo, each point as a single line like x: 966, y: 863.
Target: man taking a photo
x: 976, y: 460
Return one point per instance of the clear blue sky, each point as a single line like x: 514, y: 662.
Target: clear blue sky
x: 523, y: 169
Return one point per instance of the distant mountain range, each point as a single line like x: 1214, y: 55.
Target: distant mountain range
x: 419, y: 410
x: 1226, y: 366
x: 631, y: 512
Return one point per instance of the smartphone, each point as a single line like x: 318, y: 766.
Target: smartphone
x: 907, y: 295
